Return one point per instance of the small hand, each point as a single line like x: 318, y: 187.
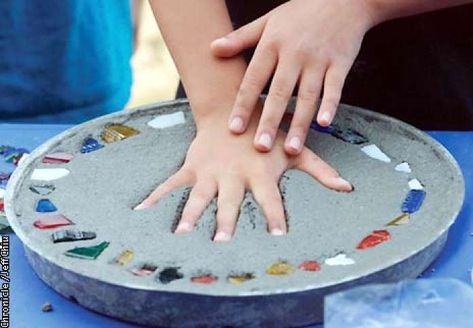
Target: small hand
x: 312, y: 43
x: 220, y: 162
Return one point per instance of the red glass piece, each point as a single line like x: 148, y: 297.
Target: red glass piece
x: 57, y: 158
x: 204, y: 279
x: 2, y: 205
x: 310, y: 266
x: 52, y: 221
x: 373, y: 239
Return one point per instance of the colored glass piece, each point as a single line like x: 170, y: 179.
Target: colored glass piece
x: 373, y: 239
x: 167, y: 120
x: 117, y: 132
x: 240, y: 278
x: 42, y: 189
x: 170, y: 274
x: 2, y: 205
x: 52, y: 221
x: 124, y: 257
x: 57, y: 158
x: 72, y: 235
x: 89, y: 145
x: 205, y: 279
x: 413, y: 201
x: 4, y: 177
x: 339, y: 259
x: 49, y: 174
x: 45, y: 206
x: 309, y: 266
x: 349, y: 135
x: 279, y: 268
x: 88, y: 253
x: 4, y: 149
x: 144, y: 270
x: 399, y: 220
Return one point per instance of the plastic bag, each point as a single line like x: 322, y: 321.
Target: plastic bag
x: 422, y: 303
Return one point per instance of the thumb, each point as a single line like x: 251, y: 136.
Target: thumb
x: 235, y: 42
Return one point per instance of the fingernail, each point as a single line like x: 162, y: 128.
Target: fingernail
x: 221, y: 40
x: 277, y: 232
x: 236, y: 125
x: 295, y: 143
x: 140, y: 206
x: 183, y: 228
x: 265, y: 140
x: 221, y: 237
x: 345, y: 184
x: 326, y: 117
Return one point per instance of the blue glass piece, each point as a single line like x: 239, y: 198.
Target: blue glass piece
x: 413, y: 201
x: 90, y: 145
x: 324, y: 129
x: 45, y: 205
x: 349, y: 135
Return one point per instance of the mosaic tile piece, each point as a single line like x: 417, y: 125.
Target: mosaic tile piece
x: 72, y: 235
x: 373, y: 239
x: 415, y: 184
x: 2, y: 192
x: 49, y: 174
x: 4, y: 177
x: 144, y: 270
x: 309, y: 266
x: 89, y: 145
x: 167, y: 120
x: 169, y: 274
x: 4, y: 224
x: 374, y: 152
x: 279, y: 269
x: 2, y: 205
x: 116, y: 132
x: 42, y: 189
x: 340, y: 259
x: 87, y: 253
x: 52, y: 221
x: 403, y: 167
x: 124, y: 257
x: 45, y: 206
x: 237, y: 279
x: 57, y: 158
x: 413, y: 201
x: 399, y: 220
x: 205, y: 279
x: 349, y: 135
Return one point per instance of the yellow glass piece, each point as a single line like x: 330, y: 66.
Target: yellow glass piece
x: 399, y: 220
x: 117, y: 132
x: 279, y: 269
x: 125, y: 257
x: 240, y: 278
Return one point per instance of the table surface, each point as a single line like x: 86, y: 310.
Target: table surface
x: 28, y: 293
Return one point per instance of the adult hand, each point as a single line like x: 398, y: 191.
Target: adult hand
x: 312, y: 43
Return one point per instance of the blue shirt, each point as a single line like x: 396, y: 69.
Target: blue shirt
x: 64, y: 61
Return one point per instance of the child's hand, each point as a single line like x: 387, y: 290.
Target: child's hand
x: 309, y: 42
x: 219, y: 162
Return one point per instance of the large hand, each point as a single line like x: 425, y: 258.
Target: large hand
x: 220, y: 162
x: 309, y: 42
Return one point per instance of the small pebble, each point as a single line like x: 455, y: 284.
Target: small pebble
x: 47, y: 307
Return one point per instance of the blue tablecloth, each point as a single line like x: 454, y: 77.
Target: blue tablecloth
x: 28, y: 292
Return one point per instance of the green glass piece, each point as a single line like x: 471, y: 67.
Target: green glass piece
x: 88, y: 253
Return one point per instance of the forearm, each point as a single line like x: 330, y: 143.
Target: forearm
x: 383, y: 10
x: 188, y: 27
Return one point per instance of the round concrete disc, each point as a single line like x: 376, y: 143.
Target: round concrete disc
x: 103, y: 186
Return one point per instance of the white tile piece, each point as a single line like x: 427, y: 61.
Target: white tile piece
x: 374, y: 152
x: 167, y: 120
x: 415, y: 184
x: 403, y: 167
x: 49, y: 174
x: 2, y: 193
x: 340, y: 259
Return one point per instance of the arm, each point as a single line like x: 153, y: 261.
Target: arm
x: 218, y: 162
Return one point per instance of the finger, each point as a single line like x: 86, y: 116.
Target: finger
x: 333, y: 85
x: 230, y: 196
x: 181, y: 178
x: 199, y: 198
x: 322, y: 172
x: 257, y: 75
x: 309, y: 91
x: 235, y: 42
x: 268, y: 197
x: 280, y: 91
